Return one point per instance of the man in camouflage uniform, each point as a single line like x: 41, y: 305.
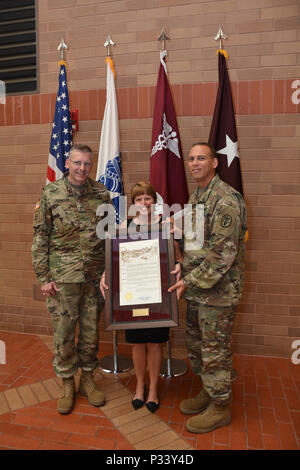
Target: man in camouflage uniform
x: 68, y: 260
x: 212, y: 283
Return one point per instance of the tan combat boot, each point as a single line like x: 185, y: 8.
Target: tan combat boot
x: 66, y: 401
x: 192, y: 406
x: 215, y: 416
x: 88, y: 388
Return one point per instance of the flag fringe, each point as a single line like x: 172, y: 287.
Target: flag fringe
x: 111, y: 64
x: 223, y: 52
x: 62, y: 62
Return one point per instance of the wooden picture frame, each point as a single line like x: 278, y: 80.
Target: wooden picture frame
x: 163, y: 314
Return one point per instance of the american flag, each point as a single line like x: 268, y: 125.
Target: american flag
x: 61, y: 136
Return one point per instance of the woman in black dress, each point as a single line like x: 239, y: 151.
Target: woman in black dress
x: 147, y: 350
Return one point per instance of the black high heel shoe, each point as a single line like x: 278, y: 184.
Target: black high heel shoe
x: 137, y: 403
x: 152, y: 406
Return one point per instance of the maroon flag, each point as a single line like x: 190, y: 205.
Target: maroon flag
x: 166, y: 162
x: 223, y: 135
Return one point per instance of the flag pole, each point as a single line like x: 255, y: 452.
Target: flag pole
x: 61, y: 47
x: 170, y: 367
x: 219, y: 37
x: 108, y: 43
x: 115, y: 363
x: 163, y: 37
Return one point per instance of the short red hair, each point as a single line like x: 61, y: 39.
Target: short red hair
x: 143, y: 188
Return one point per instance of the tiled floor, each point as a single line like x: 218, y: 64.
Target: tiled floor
x: 265, y: 408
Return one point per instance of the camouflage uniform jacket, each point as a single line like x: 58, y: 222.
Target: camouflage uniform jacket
x: 214, y: 274
x: 65, y: 244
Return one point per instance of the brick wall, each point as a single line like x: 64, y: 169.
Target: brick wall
x: 263, y: 46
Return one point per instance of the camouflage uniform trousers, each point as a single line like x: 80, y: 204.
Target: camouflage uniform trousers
x: 75, y: 303
x: 208, y: 340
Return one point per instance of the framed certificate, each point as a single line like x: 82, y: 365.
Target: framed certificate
x: 137, y: 272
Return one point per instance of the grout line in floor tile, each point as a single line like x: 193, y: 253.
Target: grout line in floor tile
x: 14, y: 400
x: 52, y: 387
x: 40, y: 392
x: 4, y: 406
x: 139, y: 424
x: 27, y: 395
x: 155, y: 428
x: 179, y: 444
x: 111, y: 404
x: 156, y: 441
x: 116, y: 410
x: 116, y: 387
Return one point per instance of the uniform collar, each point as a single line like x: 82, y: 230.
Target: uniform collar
x: 86, y: 187
x: 202, y: 197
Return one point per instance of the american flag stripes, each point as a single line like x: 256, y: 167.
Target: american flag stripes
x: 61, y: 135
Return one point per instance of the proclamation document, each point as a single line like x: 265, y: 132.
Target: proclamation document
x: 140, y: 281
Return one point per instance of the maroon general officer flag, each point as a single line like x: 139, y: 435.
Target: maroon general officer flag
x: 166, y: 162
x: 223, y: 135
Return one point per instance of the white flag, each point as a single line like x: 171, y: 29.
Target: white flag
x: 109, y: 160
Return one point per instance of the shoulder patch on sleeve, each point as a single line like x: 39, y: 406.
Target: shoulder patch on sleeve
x: 226, y: 221
x: 37, y: 216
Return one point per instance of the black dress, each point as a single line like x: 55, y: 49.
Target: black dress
x: 147, y: 335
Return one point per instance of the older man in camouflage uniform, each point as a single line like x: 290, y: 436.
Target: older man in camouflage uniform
x: 212, y: 282
x: 68, y: 259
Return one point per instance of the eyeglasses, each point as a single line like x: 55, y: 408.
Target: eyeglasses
x: 79, y: 164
